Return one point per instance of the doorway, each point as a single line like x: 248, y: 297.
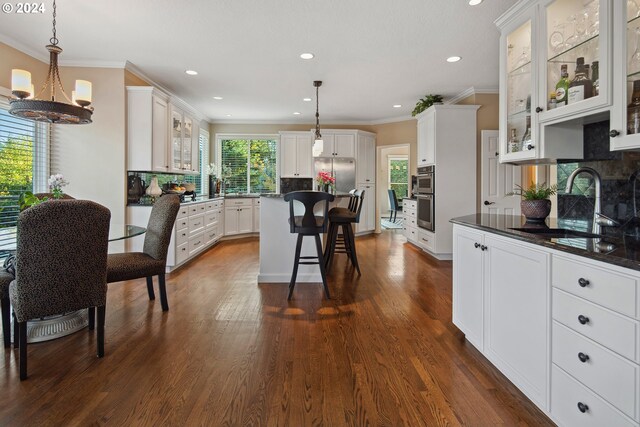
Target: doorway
x: 394, y: 173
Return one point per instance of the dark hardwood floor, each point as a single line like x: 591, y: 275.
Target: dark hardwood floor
x: 231, y: 352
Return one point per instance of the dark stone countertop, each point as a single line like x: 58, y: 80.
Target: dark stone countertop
x: 625, y: 251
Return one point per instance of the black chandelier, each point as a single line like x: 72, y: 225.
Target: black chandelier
x: 27, y: 105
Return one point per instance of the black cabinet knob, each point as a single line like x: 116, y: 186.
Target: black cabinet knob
x: 614, y: 133
x: 583, y: 282
x: 582, y: 407
x: 487, y: 203
x: 583, y: 357
x: 483, y: 248
x: 539, y: 110
x: 530, y: 146
x: 476, y: 245
x: 583, y: 319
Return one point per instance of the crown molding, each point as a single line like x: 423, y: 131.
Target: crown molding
x: 392, y: 120
x: 472, y: 91
x: 40, y: 56
x: 312, y: 124
x: 512, y: 12
x: 93, y: 63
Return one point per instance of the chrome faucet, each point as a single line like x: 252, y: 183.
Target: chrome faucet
x: 595, y: 229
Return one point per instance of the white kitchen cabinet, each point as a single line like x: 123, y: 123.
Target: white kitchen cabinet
x: 517, y: 315
x: 448, y: 137
x: 468, y: 284
x: 625, y: 70
x: 238, y: 217
x: 409, y: 224
x: 296, y: 159
x: 184, y: 140
x: 336, y: 143
x: 537, y: 38
x: 256, y: 216
x: 147, y: 129
x: 366, y: 158
x: 368, y: 214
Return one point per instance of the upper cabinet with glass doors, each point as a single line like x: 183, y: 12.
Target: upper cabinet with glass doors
x: 545, y: 102
x: 625, y: 114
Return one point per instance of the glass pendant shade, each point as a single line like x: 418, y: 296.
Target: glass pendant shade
x: 21, y: 86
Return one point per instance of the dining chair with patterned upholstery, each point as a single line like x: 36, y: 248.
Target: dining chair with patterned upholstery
x: 5, y: 306
x: 152, y: 261
x: 61, y: 265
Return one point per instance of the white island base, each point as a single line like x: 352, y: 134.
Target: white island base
x: 278, y: 244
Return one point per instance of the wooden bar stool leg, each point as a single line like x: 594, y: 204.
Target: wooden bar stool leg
x: 352, y: 250
x: 295, y: 266
x: 323, y: 273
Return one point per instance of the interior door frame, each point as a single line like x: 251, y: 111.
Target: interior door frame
x: 380, y: 179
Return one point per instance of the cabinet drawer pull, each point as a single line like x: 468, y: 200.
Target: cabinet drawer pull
x: 197, y: 243
x: 583, y: 357
x: 476, y: 245
x: 583, y: 319
x: 583, y: 282
x: 184, y: 249
x: 582, y: 407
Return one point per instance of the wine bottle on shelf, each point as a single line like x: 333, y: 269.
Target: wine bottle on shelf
x: 633, y: 110
x: 526, y: 143
x: 562, y: 87
x: 581, y: 87
x: 595, y: 77
x: 514, y: 143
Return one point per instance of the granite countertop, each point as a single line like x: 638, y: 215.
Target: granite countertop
x: 242, y: 196
x: 281, y: 195
x: 622, y: 250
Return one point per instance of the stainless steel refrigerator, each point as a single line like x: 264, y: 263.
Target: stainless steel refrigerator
x: 342, y: 168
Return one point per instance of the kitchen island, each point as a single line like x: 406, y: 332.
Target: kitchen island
x: 278, y: 244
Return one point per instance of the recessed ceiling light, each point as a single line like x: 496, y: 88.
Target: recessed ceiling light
x: 217, y: 98
x: 306, y: 55
x: 228, y: 115
x: 397, y: 105
x: 297, y: 113
x: 192, y: 72
x: 306, y: 99
x: 474, y: 2
x: 453, y: 59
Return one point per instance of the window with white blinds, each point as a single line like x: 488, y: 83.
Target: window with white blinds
x: 202, y: 185
x: 24, y: 165
x: 248, y: 165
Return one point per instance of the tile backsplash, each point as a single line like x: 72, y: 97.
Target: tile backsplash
x: 615, y: 169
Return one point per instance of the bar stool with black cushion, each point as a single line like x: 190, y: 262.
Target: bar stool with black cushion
x: 152, y: 261
x: 309, y: 224
x: 343, y: 218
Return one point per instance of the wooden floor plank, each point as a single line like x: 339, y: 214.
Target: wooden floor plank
x: 231, y: 352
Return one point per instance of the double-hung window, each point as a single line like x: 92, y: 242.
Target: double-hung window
x: 399, y: 175
x: 247, y: 164
x: 24, y: 166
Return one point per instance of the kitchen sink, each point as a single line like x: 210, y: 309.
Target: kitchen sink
x: 558, y: 233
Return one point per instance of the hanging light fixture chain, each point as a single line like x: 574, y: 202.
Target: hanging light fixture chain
x: 54, y: 39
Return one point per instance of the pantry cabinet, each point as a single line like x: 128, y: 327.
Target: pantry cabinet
x: 537, y: 39
x: 366, y: 158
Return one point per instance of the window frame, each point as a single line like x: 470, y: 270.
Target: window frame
x: 396, y: 157
x: 248, y: 136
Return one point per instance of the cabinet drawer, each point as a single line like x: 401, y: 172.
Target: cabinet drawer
x: 610, y: 376
x: 409, y: 204
x: 182, y: 223
x: 409, y: 212
x: 182, y: 212
x: 182, y: 236
x: 566, y: 393
x: 210, y: 218
x: 426, y: 239
x: 412, y: 234
x: 618, y: 333
x: 197, y: 208
x: 196, y: 243
x: 210, y: 206
x: 238, y: 202
x: 211, y: 234
x: 182, y: 253
x: 612, y: 290
x: 410, y: 222
x: 196, y: 222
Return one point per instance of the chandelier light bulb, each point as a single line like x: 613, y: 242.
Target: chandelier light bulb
x: 20, y: 83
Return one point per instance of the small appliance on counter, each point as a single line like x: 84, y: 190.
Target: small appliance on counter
x: 135, y: 188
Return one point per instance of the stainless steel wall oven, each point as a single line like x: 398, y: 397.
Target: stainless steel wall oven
x: 426, y: 197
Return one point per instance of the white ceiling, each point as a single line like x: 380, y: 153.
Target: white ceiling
x: 370, y: 54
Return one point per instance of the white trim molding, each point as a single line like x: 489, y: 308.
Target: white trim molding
x: 472, y: 91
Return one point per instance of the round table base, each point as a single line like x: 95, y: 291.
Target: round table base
x: 52, y: 327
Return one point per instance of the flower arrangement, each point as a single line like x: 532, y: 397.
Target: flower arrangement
x: 56, y: 182
x: 325, y: 179
x: 212, y: 169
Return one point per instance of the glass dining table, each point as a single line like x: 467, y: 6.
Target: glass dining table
x: 52, y: 327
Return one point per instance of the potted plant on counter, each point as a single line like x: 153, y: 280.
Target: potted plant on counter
x: 425, y: 103
x: 535, y: 204
x: 325, y: 181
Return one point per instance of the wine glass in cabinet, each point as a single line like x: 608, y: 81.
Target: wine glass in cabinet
x: 625, y: 114
x: 518, y: 127
x: 574, y: 71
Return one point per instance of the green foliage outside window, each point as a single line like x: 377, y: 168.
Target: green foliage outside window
x: 248, y: 165
x: 399, y: 177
